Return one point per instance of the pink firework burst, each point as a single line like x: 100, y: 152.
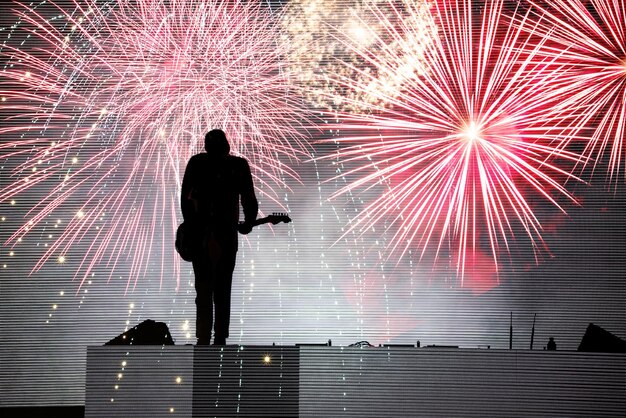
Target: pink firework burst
x: 588, y: 40
x: 104, y: 102
x: 465, y: 150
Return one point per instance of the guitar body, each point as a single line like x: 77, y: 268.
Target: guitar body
x: 188, y: 241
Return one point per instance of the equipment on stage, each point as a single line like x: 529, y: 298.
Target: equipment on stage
x: 148, y: 332
x: 328, y: 344
x: 597, y: 339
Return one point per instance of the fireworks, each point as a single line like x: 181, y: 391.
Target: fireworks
x: 103, y: 104
x: 464, y: 114
x: 336, y: 45
x: 466, y: 149
x: 592, y: 81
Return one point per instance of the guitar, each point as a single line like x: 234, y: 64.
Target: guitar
x: 274, y: 219
x: 189, y: 237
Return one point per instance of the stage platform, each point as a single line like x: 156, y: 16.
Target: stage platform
x: 308, y: 381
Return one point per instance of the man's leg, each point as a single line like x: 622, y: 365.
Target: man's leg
x: 222, y: 293
x: 204, y: 300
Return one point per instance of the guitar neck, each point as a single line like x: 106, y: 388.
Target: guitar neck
x: 274, y: 218
x: 260, y: 221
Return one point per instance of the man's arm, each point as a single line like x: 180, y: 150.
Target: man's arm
x: 249, y: 201
x: 188, y: 205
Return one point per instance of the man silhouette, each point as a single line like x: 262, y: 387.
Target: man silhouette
x: 213, y: 185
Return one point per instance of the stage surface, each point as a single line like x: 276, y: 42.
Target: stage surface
x: 308, y: 381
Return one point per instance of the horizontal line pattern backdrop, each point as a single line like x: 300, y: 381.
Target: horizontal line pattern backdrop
x: 446, y: 164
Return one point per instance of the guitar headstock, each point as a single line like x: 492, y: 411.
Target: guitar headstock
x: 278, y: 217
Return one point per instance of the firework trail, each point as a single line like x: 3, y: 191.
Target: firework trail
x: 333, y: 41
x: 465, y: 149
x: 588, y: 40
x: 103, y: 104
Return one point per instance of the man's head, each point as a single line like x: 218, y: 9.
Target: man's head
x: 215, y: 143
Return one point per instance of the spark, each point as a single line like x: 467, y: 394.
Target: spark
x: 334, y: 43
x: 115, y: 98
x: 464, y: 151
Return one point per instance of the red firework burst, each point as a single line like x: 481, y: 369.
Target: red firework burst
x: 105, y: 103
x: 588, y: 41
x: 466, y: 149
